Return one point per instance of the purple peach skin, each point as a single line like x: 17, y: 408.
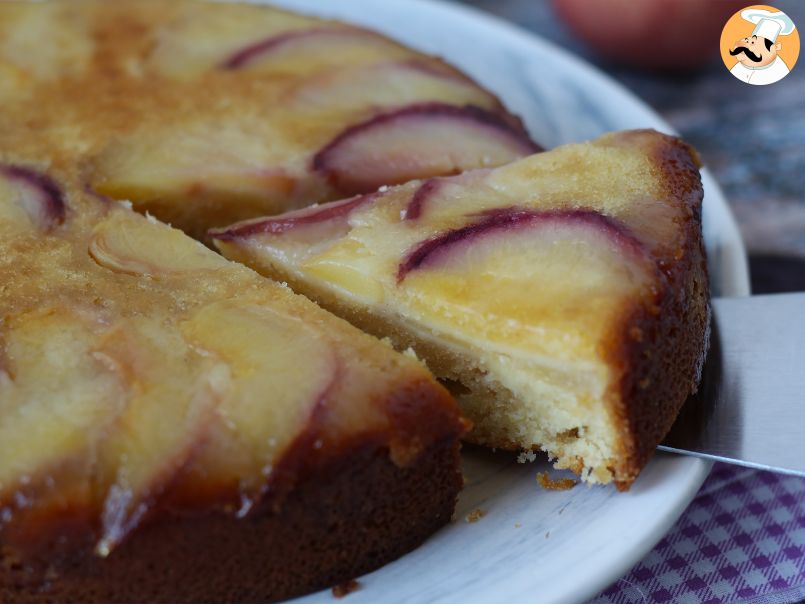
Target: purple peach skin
x: 433, y: 188
x: 428, y: 189
x: 445, y: 71
x: 44, y: 201
x: 312, y: 215
x: 269, y: 45
x: 353, y: 169
x: 406, y: 72
x: 430, y: 251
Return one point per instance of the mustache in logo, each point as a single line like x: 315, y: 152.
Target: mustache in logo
x: 743, y: 49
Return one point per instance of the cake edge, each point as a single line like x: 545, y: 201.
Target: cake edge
x: 679, y: 339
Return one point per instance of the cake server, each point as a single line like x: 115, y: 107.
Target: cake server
x: 750, y: 407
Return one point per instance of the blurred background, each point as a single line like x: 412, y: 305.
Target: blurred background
x: 751, y: 137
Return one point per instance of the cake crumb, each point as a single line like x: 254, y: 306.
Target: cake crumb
x: 347, y: 587
x: 555, y: 484
x: 525, y: 456
x: 517, y: 525
x: 411, y: 354
x: 475, y: 515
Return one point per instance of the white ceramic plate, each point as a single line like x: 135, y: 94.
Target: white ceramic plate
x: 534, y: 545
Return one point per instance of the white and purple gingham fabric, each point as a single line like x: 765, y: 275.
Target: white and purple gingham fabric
x: 741, y: 540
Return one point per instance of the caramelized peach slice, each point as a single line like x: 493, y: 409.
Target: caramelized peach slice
x: 172, y: 393
x: 313, y: 227
x: 334, y: 212
x: 56, y: 396
x: 128, y: 244
x: 320, y: 46
x: 508, y: 220
x: 390, y: 84
x: 419, y: 141
x: 310, y: 232
x: 525, y: 257
x: 213, y: 173
x: 30, y: 198
x: 282, y: 371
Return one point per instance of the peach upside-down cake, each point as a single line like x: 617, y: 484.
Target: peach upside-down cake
x: 562, y: 297
x: 175, y: 428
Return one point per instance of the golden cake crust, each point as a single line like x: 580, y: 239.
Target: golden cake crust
x: 660, y: 347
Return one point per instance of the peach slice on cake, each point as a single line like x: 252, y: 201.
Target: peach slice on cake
x: 126, y: 246
x: 37, y: 435
x: 312, y: 226
x: 170, y: 400
x: 302, y: 49
x: 298, y: 368
x: 32, y: 199
x: 499, y: 273
x: 563, y: 296
x: 213, y: 172
x: 416, y: 142
x: 393, y: 83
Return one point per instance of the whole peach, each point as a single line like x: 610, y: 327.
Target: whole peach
x: 661, y: 34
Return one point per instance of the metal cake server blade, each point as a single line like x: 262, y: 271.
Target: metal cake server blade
x: 750, y: 407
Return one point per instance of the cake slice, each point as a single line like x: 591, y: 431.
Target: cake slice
x: 562, y: 298
x: 205, y: 113
x: 175, y: 428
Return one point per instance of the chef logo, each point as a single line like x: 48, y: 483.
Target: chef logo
x: 760, y: 45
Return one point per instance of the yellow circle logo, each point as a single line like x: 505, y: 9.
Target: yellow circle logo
x: 760, y: 45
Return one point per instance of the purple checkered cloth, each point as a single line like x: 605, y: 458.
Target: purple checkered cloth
x: 741, y: 540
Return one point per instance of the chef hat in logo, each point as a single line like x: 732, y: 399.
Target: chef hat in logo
x: 769, y: 25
